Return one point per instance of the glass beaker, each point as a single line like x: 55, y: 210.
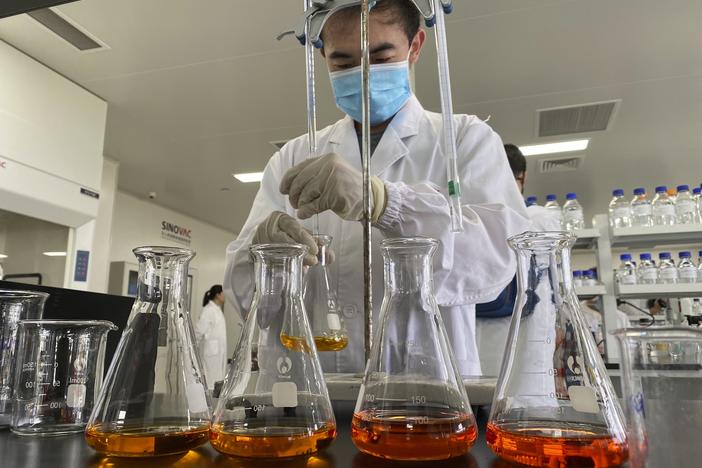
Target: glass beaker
x: 662, y: 394
x: 14, y: 306
x: 320, y: 302
x: 154, y: 400
x: 59, y: 369
x: 279, y: 408
x: 412, y: 404
x: 554, y: 404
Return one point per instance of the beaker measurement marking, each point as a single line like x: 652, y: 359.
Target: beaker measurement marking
x: 549, y: 395
x: 418, y: 399
x: 256, y: 408
x: 547, y: 341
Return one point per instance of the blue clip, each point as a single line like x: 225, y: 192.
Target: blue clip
x: 301, y: 39
x: 448, y: 8
x: 430, y: 22
x: 318, y: 43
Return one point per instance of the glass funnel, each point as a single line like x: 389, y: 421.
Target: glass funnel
x: 320, y: 302
x: 154, y: 400
x: 14, y: 306
x: 554, y: 404
x: 59, y: 369
x: 412, y: 404
x: 661, y: 380
x: 276, y: 406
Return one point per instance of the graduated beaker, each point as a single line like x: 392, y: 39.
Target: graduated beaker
x: 59, y: 369
x: 661, y: 380
x: 321, y: 304
x: 154, y: 400
x: 412, y: 404
x: 280, y: 407
x: 554, y: 404
x: 14, y: 306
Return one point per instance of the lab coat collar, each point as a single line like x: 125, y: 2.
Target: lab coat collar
x: 391, y: 147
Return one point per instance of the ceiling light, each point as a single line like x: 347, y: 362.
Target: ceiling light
x: 558, y: 147
x: 249, y: 177
x: 55, y: 254
x: 3, y: 256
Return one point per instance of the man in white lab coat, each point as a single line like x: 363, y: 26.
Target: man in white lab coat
x: 409, y: 173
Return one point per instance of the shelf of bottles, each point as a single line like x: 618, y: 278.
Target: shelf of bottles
x: 659, y: 290
x: 656, y: 235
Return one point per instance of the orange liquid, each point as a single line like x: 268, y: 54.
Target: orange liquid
x: 405, y: 437
x: 296, y: 343
x: 240, y: 444
x: 146, y: 442
x: 331, y: 343
x: 532, y: 445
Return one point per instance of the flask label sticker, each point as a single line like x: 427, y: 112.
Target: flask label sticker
x: 75, y: 396
x: 284, y: 395
x: 197, y: 402
x: 621, y: 212
x: 627, y: 279
x: 333, y: 322
x: 584, y: 399
x: 688, y: 273
x: 642, y: 210
x: 669, y: 273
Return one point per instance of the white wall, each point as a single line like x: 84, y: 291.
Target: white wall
x: 137, y: 222
x: 100, y: 261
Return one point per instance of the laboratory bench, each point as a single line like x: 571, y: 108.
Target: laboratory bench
x: 72, y: 452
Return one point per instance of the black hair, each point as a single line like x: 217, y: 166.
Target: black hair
x: 517, y: 161
x: 403, y: 11
x: 212, y: 293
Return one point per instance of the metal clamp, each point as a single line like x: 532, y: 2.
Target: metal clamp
x: 321, y: 10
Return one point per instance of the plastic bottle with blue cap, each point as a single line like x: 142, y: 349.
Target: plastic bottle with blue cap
x: 647, y: 271
x: 573, y: 216
x: 553, y: 206
x: 619, y: 210
x: 667, y: 271
x: 687, y: 271
x: 626, y: 273
x: 663, y: 208
x: 686, y: 211
x: 641, y: 210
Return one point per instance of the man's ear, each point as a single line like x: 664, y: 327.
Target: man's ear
x: 416, y: 46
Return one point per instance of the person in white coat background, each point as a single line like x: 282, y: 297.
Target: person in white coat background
x: 211, y: 335
x: 408, y: 176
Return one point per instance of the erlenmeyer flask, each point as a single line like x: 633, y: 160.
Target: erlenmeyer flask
x: 554, y: 404
x: 154, y: 399
x: 14, y: 306
x: 320, y: 302
x: 412, y: 404
x: 278, y: 407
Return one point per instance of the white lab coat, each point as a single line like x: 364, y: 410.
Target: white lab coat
x: 491, y: 333
x: 211, y: 334
x: 470, y: 267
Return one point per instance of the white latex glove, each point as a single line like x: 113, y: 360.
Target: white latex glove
x: 281, y: 228
x: 330, y: 183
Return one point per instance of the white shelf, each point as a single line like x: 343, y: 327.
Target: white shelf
x: 660, y: 290
x: 597, y: 290
x: 586, y: 238
x: 657, y: 235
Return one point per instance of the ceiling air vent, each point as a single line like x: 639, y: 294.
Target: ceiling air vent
x: 561, y: 164
x: 583, y: 118
x: 66, y: 30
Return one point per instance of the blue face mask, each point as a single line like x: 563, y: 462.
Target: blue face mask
x: 389, y: 90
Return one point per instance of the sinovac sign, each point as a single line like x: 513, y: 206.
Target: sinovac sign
x: 176, y: 233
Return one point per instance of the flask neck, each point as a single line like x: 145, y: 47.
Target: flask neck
x: 408, y: 273
x: 162, y: 275
x: 543, y: 263
x: 278, y: 274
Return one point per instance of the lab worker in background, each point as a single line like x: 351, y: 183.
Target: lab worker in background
x: 492, y: 330
x: 211, y: 335
x: 408, y: 172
